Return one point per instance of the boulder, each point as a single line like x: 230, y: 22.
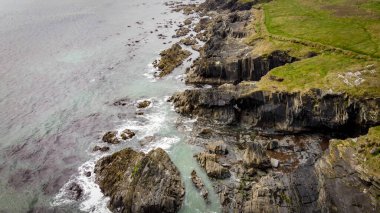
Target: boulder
x: 143, y: 104
x: 127, y: 134
x: 210, y: 163
x: 75, y: 191
x: 110, y: 137
x: 138, y: 182
x: 218, y: 148
x: 274, y: 162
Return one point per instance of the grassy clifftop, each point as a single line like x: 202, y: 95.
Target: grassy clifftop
x: 344, y: 33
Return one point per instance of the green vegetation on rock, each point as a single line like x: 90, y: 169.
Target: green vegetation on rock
x: 367, y: 149
x: 170, y: 59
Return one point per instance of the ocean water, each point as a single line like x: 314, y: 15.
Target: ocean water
x: 63, y: 63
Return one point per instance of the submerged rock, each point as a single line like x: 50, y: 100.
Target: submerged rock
x: 100, y: 148
x: 138, y: 182
x: 75, y: 191
x: 143, y: 104
x: 127, y: 134
x: 182, y: 32
x: 110, y: 137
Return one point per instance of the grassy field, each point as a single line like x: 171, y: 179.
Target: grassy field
x: 347, y: 24
x: 344, y: 33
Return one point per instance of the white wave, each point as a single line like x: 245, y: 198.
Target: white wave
x: 164, y: 143
x: 92, y: 199
x: 150, y: 70
x: 155, y: 121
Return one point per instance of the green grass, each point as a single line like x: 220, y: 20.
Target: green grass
x: 344, y: 33
x: 324, y: 72
x: 315, y: 21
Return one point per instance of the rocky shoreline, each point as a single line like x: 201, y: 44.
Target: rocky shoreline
x: 279, y: 155
x: 265, y: 151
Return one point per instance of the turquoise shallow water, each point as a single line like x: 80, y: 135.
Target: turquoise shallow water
x: 62, y: 65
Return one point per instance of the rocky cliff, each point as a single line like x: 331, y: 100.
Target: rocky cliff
x: 313, y: 110
x: 278, y: 152
x: 138, y: 182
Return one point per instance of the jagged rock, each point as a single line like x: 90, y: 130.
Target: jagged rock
x: 170, y: 59
x: 202, y: 37
x: 102, y: 149
x: 188, y: 21
x: 198, y: 183
x: 210, y: 163
x: 127, y: 134
x: 254, y: 156
x: 138, y: 182
x: 344, y: 176
x: 75, y: 191
x: 281, y: 111
x: 233, y: 69
x: 122, y: 102
x: 88, y: 174
x: 143, y: 104
x: 183, y: 31
x: 219, y: 148
x: 202, y: 24
x: 110, y: 137
x: 189, y: 41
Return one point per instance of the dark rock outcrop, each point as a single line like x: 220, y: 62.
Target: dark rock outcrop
x: 101, y: 148
x: 127, y: 134
x: 213, y: 168
x: 143, y: 104
x: 198, y: 183
x: 170, y: 59
x: 218, y: 147
x: 282, y: 111
x: 218, y: 70
x: 138, y: 182
x: 111, y: 137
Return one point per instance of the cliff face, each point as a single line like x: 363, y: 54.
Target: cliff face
x: 281, y: 111
x: 344, y: 185
x: 226, y: 58
x: 248, y: 68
